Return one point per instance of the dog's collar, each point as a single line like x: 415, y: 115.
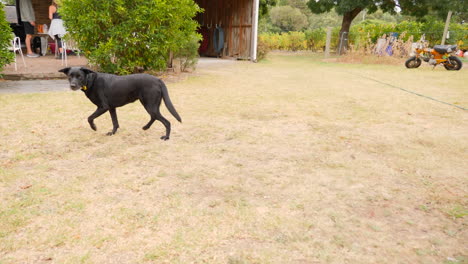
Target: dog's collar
x: 84, y: 88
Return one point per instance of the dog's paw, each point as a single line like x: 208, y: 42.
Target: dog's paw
x: 145, y: 127
x: 93, y: 126
x: 165, y: 138
x: 110, y: 133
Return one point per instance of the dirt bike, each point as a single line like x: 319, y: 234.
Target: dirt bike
x: 440, y: 54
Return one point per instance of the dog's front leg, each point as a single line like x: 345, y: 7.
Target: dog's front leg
x: 115, y: 122
x: 96, y: 114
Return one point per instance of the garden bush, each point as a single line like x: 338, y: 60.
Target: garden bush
x: 316, y: 39
x: 292, y: 41
x: 297, y: 41
x: 270, y: 40
x: 122, y: 36
x: 6, y: 56
x: 262, y: 49
x: 188, y: 53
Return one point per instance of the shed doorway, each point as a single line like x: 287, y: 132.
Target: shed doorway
x: 229, y: 28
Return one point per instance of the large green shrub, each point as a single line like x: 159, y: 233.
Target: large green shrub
x: 121, y: 36
x: 6, y: 56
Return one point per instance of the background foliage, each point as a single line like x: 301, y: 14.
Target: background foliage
x: 369, y: 25
x: 121, y: 36
x: 288, y: 18
x: 6, y: 56
x: 432, y: 31
x: 362, y: 33
x: 265, y: 6
x: 188, y: 53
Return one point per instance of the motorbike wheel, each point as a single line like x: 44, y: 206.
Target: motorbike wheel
x: 453, y: 64
x: 413, y: 62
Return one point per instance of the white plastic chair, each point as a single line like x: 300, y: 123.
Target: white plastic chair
x: 64, y: 52
x: 16, y: 46
x: 69, y: 44
x: 56, y: 47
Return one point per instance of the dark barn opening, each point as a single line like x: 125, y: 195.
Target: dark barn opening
x: 229, y: 28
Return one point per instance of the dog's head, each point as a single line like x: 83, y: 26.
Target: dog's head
x: 79, y: 77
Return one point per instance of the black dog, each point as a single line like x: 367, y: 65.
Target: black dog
x: 109, y: 91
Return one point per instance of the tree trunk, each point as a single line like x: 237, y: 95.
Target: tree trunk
x: 345, y: 25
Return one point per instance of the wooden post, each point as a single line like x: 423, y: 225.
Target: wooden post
x: 447, y: 23
x: 255, y: 15
x: 230, y: 34
x: 241, y: 21
x: 327, y: 45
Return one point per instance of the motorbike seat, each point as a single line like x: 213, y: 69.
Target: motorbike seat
x: 445, y: 48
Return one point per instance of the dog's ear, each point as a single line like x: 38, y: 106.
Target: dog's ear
x: 65, y: 70
x: 86, y: 70
x: 89, y: 76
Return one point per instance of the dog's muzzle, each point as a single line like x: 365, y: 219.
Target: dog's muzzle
x: 74, y: 86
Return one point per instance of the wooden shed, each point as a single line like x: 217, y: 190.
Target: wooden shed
x: 238, y: 22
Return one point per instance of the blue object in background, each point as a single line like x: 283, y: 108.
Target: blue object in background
x: 218, y: 40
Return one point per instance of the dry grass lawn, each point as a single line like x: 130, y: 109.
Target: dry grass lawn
x: 292, y: 160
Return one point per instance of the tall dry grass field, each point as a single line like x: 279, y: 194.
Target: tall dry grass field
x: 291, y: 160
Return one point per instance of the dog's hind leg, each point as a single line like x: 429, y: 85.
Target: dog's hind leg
x: 166, y: 124
x: 150, y: 111
x: 115, y: 122
x: 153, y: 116
x: 156, y: 115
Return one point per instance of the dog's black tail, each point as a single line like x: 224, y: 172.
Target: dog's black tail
x: 168, y: 102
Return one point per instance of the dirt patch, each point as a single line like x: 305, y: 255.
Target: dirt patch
x: 44, y: 67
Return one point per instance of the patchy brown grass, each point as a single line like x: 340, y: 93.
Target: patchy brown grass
x: 359, y: 58
x: 287, y: 161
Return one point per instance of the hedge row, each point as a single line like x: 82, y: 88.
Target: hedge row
x: 363, y: 33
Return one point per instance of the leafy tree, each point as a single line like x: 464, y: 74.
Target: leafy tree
x: 288, y: 18
x: 299, y: 4
x: 265, y: 25
x: 379, y: 15
x: 265, y: 6
x: 6, y: 56
x: 122, y: 36
x: 439, y: 8
x: 328, y: 19
x: 351, y: 8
